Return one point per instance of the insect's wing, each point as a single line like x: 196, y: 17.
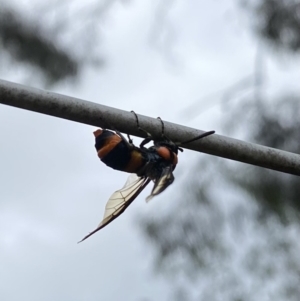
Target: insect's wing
x: 166, y: 178
x: 120, y: 200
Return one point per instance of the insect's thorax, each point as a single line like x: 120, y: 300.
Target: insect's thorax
x: 158, y: 158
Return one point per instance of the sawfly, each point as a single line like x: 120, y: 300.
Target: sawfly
x: 155, y: 163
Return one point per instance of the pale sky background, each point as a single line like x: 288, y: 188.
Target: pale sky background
x: 54, y: 188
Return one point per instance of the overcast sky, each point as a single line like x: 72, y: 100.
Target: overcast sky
x: 54, y: 188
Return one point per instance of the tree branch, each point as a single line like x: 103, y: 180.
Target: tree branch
x: 86, y: 112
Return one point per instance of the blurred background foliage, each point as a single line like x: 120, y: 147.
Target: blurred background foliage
x: 232, y: 233
x: 27, y: 45
x: 55, y: 50
x: 279, y: 23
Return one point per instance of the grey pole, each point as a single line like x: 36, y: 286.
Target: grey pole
x: 82, y: 111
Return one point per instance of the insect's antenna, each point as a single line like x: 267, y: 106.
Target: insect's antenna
x: 197, y: 138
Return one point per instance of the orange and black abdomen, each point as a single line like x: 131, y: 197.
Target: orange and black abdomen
x: 117, y: 153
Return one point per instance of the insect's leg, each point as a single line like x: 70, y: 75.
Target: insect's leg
x: 162, y: 127
x: 129, y: 139
x: 129, y: 142
x: 149, y: 136
x: 145, y: 141
x: 163, y: 135
x: 138, y: 125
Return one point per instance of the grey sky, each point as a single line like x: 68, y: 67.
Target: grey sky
x: 54, y: 188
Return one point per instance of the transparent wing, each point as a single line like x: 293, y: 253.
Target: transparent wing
x: 120, y: 200
x: 166, y: 178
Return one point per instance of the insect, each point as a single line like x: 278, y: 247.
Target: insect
x: 155, y: 163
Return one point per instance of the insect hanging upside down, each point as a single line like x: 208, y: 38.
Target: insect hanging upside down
x: 155, y: 163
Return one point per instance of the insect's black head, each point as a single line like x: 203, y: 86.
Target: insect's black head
x: 168, y: 150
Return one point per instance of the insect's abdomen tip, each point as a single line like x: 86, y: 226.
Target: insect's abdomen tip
x: 97, y: 133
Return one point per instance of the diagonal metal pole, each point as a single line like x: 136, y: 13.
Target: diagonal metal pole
x: 86, y: 112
